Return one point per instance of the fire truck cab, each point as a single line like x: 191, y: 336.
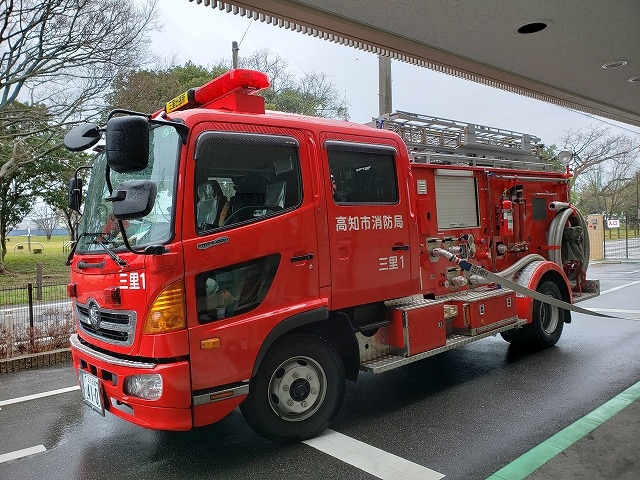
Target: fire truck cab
x: 231, y: 256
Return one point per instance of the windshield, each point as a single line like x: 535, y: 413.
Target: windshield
x: 98, y: 224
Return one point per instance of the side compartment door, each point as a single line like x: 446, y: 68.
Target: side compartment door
x: 369, y: 224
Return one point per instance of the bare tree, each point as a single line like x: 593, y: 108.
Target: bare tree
x: 596, y: 145
x: 313, y: 94
x: 273, y: 65
x: 604, y: 164
x: 63, y: 55
x: 45, y: 219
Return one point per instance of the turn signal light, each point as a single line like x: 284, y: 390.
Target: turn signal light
x: 72, y: 290
x: 167, y: 314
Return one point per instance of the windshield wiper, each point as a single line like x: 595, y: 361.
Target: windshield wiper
x: 110, y: 252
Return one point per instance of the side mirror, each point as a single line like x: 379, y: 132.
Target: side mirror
x: 75, y: 194
x: 133, y: 199
x: 82, y: 137
x: 127, y: 143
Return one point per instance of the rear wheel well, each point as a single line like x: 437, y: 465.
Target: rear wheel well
x: 557, y: 278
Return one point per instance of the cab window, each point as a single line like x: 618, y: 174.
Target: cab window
x: 243, y: 178
x: 362, y: 173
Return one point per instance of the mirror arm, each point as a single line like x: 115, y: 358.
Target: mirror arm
x: 107, y: 177
x: 181, y: 128
x: 150, y: 250
x: 127, y: 112
x: 76, y: 191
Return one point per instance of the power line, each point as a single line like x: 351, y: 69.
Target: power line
x: 245, y: 32
x: 600, y: 119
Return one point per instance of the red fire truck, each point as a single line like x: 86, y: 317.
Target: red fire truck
x: 231, y: 256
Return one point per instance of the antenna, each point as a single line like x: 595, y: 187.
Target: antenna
x: 234, y: 54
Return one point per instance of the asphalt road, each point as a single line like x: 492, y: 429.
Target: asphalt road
x: 463, y: 414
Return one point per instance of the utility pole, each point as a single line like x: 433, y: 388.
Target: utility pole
x: 234, y: 54
x: 637, y: 202
x: 637, y: 197
x: 384, y: 84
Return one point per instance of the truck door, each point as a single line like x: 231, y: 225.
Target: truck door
x: 369, y: 225
x: 251, y: 259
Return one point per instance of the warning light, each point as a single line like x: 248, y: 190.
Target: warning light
x: 241, y: 81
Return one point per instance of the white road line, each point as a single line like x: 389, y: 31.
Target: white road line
x: 370, y: 459
x: 38, y: 395
x: 620, y: 287
x: 617, y: 310
x: 25, y: 452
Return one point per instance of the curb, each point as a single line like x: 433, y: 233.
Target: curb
x: 44, y: 359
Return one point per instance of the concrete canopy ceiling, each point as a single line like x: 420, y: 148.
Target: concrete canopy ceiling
x: 479, y: 41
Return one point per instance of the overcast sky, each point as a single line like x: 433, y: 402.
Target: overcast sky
x: 204, y: 35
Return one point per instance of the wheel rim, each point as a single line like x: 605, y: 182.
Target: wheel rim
x: 297, y: 388
x: 549, y: 318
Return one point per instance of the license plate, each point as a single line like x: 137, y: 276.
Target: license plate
x: 92, y: 392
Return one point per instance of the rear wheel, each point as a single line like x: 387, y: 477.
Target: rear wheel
x: 297, y: 390
x: 517, y: 335
x: 548, y: 320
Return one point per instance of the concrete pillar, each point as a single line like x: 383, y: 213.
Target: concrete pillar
x: 595, y: 229
x: 8, y: 321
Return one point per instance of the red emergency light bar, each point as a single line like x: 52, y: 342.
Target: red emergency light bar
x: 240, y: 81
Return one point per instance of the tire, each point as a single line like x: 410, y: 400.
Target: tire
x: 548, y: 320
x: 546, y: 327
x: 517, y: 335
x: 297, y: 390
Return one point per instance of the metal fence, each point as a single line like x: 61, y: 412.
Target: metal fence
x: 34, y: 318
x: 622, y: 242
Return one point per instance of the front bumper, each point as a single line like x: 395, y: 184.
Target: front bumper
x: 172, y: 411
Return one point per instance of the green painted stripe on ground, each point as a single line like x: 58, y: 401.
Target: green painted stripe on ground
x: 527, y: 463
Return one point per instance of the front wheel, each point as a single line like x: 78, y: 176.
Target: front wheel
x: 297, y: 390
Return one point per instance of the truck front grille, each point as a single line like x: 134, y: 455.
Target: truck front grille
x: 117, y: 327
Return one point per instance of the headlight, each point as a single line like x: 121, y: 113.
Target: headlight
x: 147, y: 386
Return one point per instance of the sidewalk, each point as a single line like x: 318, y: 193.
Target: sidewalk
x: 602, y: 445
x: 611, y: 451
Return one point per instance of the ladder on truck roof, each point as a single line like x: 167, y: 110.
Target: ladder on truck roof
x: 443, y: 141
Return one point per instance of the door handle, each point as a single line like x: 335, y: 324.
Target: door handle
x: 400, y: 247
x: 83, y: 265
x: 301, y: 258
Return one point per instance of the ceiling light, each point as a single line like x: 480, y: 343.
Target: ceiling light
x: 532, y: 27
x: 616, y: 64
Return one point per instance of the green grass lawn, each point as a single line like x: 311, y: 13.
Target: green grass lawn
x: 21, y: 264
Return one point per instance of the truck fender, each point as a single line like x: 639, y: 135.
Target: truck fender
x: 287, y: 325
x: 335, y: 329
x: 535, y: 273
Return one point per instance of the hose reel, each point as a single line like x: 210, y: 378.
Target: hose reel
x: 568, y: 231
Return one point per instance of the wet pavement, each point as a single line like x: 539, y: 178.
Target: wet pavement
x: 466, y: 414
